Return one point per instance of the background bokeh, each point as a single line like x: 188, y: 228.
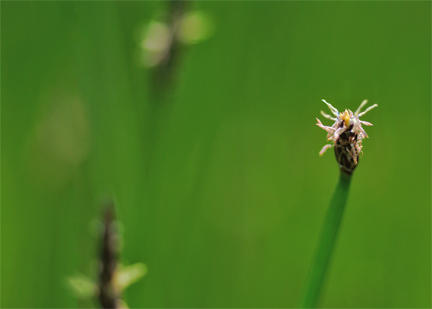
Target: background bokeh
x: 218, y: 185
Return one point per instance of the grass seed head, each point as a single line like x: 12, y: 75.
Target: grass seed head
x: 346, y: 134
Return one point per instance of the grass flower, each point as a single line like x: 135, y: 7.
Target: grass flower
x: 346, y: 134
x: 114, y: 277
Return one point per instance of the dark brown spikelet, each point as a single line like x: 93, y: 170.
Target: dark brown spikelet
x: 347, y: 150
x: 108, y: 296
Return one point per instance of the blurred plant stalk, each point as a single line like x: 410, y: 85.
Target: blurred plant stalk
x: 164, y: 40
x: 109, y: 295
x: 114, y: 278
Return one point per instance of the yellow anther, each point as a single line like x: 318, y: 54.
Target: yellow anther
x: 345, y: 116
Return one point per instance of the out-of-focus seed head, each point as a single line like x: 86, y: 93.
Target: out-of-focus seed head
x: 346, y: 135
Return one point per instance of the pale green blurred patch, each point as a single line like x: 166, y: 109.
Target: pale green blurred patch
x: 82, y: 287
x: 195, y: 26
x: 85, y: 288
x: 129, y: 274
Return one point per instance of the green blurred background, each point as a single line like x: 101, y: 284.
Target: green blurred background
x: 219, y: 187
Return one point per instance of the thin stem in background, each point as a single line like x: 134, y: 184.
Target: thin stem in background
x: 327, y: 242
x: 108, y: 295
x: 164, y: 73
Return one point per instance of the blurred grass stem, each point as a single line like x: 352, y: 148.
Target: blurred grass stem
x: 327, y: 242
x: 108, y: 294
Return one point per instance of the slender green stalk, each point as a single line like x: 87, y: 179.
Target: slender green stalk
x: 327, y: 242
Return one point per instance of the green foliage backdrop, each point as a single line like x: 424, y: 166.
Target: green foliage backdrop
x: 219, y: 187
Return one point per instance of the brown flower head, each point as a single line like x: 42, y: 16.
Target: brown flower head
x: 346, y: 135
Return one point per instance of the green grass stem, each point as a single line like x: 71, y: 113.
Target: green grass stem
x: 327, y: 242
